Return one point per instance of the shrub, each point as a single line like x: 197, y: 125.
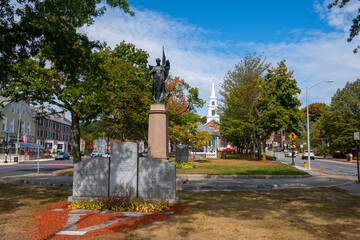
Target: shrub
x: 184, y: 165
x: 123, y: 203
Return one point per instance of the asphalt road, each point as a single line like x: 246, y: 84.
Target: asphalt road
x: 345, y: 169
x: 32, y: 166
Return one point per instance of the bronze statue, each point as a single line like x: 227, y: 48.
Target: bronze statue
x: 159, y: 75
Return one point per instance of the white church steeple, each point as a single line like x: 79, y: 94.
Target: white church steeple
x: 213, y: 105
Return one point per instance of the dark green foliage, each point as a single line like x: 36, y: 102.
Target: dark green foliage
x: 337, y: 126
x: 240, y: 91
x: 45, y: 58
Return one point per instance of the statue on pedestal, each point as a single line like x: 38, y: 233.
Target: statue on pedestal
x: 159, y: 75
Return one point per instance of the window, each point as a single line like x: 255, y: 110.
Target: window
x: 212, y: 112
x: 29, y: 128
x: 213, y: 103
x: 48, y: 145
x: 23, y: 110
x: 4, y: 123
x: 60, y: 147
x: 22, y: 127
x: 18, y: 108
x: 12, y: 107
x: 47, y: 134
x: 12, y: 125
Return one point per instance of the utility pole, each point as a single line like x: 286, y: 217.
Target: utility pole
x: 18, y: 135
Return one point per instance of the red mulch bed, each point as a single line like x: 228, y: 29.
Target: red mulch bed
x: 49, y: 222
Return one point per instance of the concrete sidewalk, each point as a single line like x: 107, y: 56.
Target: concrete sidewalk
x: 217, y: 182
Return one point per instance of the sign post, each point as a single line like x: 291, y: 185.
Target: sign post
x: 357, y: 138
x: 292, y: 136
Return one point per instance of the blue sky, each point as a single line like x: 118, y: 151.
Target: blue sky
x: 205, y: 39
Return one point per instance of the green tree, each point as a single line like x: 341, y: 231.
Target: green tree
x: 347, y: 100
x: 338, y: 130
x: 129, y: 90
x: 355, y: 27
x: 277, y: 104
x: 239, y: 97
x: 45, y: 58
x: 338, y: 125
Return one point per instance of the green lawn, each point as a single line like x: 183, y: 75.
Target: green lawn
x: 241, y: 167
x: 273, y: 169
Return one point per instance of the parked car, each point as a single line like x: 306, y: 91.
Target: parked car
x: 62, y: 156
x: 289, y: 153
x: 305, y: 155
x: 95, y: 154
x: 107, y: 154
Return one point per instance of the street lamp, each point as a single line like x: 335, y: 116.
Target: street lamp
x: 307, y: 117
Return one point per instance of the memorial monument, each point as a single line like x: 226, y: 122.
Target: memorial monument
x: 153, y: 177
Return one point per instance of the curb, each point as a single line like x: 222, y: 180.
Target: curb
x: 45, y: 184
x: 259, y: 187
x: 191, y: 177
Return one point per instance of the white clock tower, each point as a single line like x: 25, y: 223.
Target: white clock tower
x: 213, y: 105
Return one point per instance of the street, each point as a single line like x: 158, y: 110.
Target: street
x: 346, y: 169
x: 31, y: 167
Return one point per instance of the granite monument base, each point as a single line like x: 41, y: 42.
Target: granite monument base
x: 124, y: 173
x: 157, y: 179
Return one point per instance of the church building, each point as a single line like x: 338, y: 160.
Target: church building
x: 213, y: 122
x: 212, y: 107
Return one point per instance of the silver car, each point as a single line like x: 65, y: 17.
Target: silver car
x: 95, y: 154
x: 305, y: 155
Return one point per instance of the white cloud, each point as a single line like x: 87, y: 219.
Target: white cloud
x: 340, y: 18
x: 197, y: 55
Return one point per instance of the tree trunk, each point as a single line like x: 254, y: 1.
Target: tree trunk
x: 75, y: 137
x: 264, y: 148
x: 253, y: 150
x: 259, y: 149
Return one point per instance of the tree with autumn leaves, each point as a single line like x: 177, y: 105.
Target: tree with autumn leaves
x: 183, y: 120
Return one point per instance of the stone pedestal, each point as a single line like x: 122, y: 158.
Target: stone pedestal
x: 158, y: 141
x: 122, y: 174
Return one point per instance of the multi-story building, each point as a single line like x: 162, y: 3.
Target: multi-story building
x: 17, y: 122
x: 54, y: 133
